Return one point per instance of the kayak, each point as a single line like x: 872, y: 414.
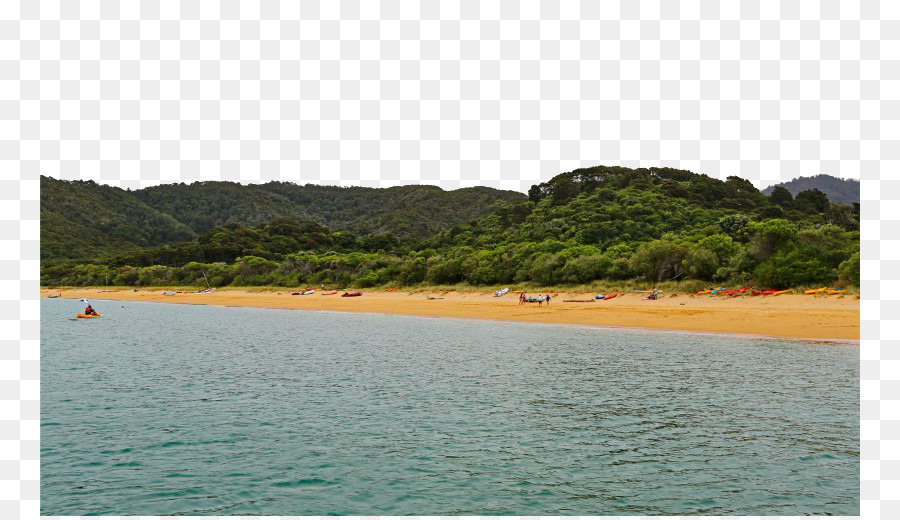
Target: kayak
x: 348, y: 294
x: 815, y: 291
x: 600, y: 296
x: 776, y: 293
x: 501, y: 292
x: 836, y: 291
x: 87, y: 316
x: 610, y: 296
x: 328, y: 293
x: 756, y: 293
x: 707, y: 291
x: 311, y: 291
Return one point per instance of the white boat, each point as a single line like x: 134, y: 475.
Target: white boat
x: 501, y: 292
x: 311, y: 291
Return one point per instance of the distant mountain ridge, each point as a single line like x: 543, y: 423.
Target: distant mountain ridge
x: 84, y: 219
x: 838, y: 191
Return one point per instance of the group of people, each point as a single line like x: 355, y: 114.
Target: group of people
x: 523, y: 299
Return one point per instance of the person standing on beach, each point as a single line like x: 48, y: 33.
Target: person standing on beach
x: 548, y: 300
x: 540, y: 300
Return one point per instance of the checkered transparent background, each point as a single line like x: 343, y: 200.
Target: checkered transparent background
x: 504, y: 94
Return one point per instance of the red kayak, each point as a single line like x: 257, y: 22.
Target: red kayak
x: 348, y: 294
x: 610, y: 296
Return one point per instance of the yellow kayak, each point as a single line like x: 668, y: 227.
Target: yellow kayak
x: 776, y: 293
x: 88, y: 315
x: 815, y: 291
x: 705, y: 292
x: 838, y: 291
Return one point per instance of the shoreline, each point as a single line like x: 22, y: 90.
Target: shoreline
x: 781, y: 317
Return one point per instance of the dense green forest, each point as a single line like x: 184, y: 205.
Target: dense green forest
x: 601, y: 223
x: 839, y: 191
x: 86, y: 221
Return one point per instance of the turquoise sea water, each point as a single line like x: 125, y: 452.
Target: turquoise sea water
x: 182, y: 410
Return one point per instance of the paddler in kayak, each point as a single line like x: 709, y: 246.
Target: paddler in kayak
x: 90, y: 311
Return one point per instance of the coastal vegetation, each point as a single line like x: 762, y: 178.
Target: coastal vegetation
x: 610, y: 224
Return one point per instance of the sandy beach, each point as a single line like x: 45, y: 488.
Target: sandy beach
x: 786, y: 316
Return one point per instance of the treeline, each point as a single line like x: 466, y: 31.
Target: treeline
x: 593, y: 224
x: 86, y: 221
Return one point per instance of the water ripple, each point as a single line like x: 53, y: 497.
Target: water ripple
x: 162, y: 410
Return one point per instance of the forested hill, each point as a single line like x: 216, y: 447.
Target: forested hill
x: 601, y: 223
x: 415, y: 211
x: 839, y: 191
x: 86, y: 220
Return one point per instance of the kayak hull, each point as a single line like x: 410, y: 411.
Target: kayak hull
x: 88, y: 316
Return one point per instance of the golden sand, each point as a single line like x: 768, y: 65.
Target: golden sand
x: 787, y: 316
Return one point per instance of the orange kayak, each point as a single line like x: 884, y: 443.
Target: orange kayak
x: 815, y: 291
x: 776, y: 293
x: 88, y: 315
x: 836, y: 291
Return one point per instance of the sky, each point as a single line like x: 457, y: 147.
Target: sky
x: 503, y: 94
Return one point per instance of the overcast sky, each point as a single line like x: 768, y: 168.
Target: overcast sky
x: 503, y: 94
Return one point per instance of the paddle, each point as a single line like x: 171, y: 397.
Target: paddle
x: 89, y: 303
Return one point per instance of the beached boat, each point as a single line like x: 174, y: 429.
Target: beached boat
x: 311, y: 291
x: 599, y: 296
x: 836, y: 291
x: 328, y: 293
x: 707, y: 291
x: 776, y: 293
x: 815, y: 291
x: 610, y: 296
x: 501, y: 292
x: 87, y: 316
x: 350, y: 294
